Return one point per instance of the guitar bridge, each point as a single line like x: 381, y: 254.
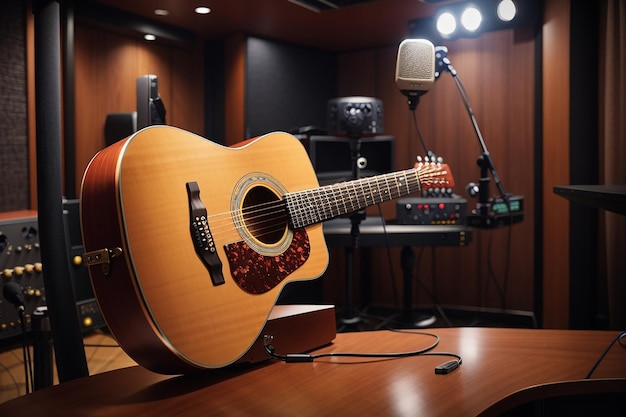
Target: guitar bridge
x: 201, y: 234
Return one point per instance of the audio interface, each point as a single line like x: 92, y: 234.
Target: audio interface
x: 20, y: 262
x: 450, y: 210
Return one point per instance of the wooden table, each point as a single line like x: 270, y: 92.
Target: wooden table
x: 501, y: 369
x: 607, y: 197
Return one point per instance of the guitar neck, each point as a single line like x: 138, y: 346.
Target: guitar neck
x: 316, y: 205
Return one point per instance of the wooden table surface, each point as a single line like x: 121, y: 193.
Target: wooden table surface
x: 502, y: 368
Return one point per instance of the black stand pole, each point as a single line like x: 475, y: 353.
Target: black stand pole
x: 483, y: 186
x: 66, y: 334
x: 355, y: 218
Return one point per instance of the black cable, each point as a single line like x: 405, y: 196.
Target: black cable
x: 429, y: 293
x: 507, y: 262
x: 306, y: 357
x: 394, y: 287
x: 491, y: 275
x: 419, y: 134
x: 28, y: 369
x: 500, y: 288
x: 433, y: 295
x: 617, y: 339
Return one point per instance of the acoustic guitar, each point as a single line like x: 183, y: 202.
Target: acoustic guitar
x: 189, y: 243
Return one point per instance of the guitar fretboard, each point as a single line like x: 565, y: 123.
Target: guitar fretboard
x: 324, y: 203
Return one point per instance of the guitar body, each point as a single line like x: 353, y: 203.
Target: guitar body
x: 182, y: 294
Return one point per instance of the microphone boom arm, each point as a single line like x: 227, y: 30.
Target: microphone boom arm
x: 442, y: 63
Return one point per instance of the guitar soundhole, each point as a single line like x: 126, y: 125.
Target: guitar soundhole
x: 264, y: 215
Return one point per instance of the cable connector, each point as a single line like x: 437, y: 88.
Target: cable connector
x: 298, y: 357
x: 267, y: 344
x: 447, y: 367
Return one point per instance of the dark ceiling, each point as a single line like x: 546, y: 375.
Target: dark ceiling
x: 364, y: 24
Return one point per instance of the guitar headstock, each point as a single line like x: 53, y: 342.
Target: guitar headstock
x: 434, y: 174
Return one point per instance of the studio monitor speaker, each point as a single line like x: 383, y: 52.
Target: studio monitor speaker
x: 355, y: 116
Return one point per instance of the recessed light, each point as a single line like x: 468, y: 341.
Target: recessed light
x: 203, y: 10
x: 161, y: 12
x: 471, y: 19
x: 149, y: 37
x: 446, y: 24
x: 506, y: 10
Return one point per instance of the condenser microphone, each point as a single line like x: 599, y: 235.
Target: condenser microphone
x: 415, y: 68
x: 13, y: 294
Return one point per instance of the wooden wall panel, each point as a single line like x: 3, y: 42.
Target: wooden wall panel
x: 107, y: 66
x: 102, y: 86
x: 498, y: 72
x: 235, y: 61
x: 556, y: 99
x: 187, y: 89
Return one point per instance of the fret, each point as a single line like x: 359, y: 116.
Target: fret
x: 354, y: 197
x: 366, y: 197
x: 317, y: 206
x: 387, y: 190
x: 399, y: 182
x: 369, y: 190
x: 328, y: 211
x: 313, y: 206
x: 380, y: 184
x: 340, y: 189
x: 311, y: 209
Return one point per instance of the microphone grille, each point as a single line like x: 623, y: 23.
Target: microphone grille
x: 415, y: 68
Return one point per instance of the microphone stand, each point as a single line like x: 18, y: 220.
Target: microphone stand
x: 355, y: 218
x: 442, y: 63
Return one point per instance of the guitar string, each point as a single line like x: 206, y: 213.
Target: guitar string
x: 343, y: 189
x: 275, y: 213
x: 356, y: 198
x: 338, y: 192
x: 277, y: 225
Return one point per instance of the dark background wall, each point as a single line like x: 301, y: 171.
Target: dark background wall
x: 287, y: 86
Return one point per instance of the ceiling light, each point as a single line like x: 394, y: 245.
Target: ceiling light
x: 149, y: 37
x: 203, y: 10
x: 161, y: 12
x: 446, y: 24
x: 471, y: 18
x: 506, y: 10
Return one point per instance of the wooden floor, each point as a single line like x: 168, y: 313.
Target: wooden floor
x: 102, y: 351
